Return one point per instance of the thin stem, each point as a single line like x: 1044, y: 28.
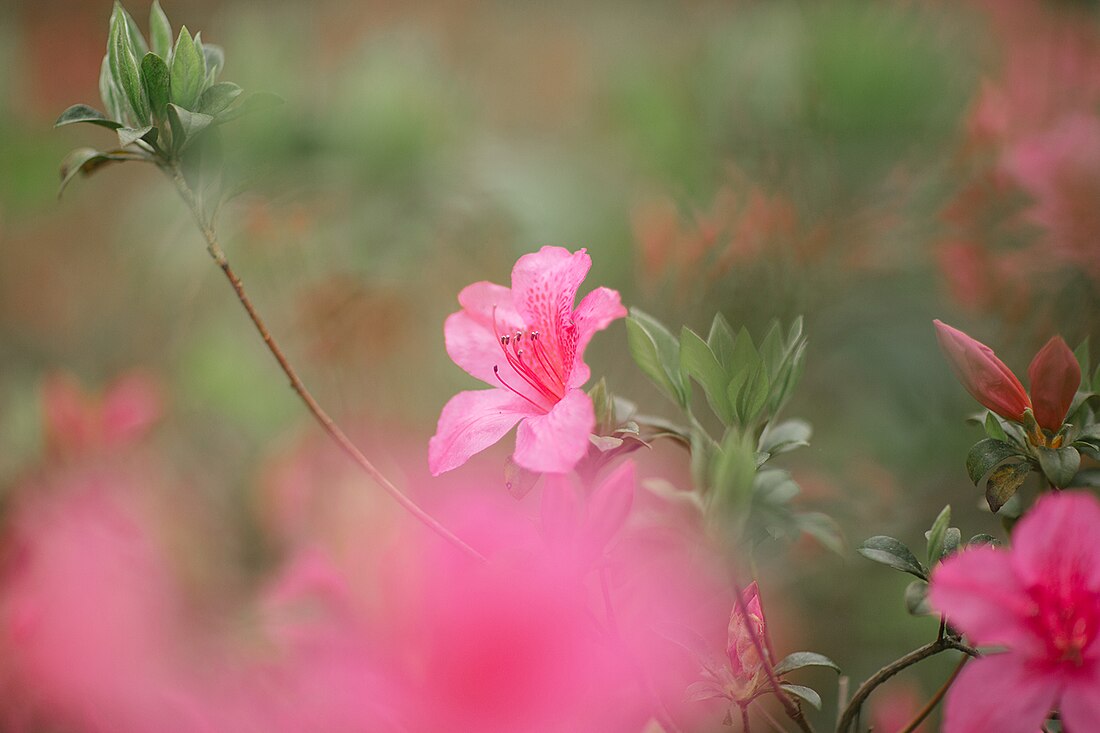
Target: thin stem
x: 917, y: 655
x: 927, y: 709
x: 322, y: 417
x: 842, y: 695
x: 745, y: 718
x: 794, y: 712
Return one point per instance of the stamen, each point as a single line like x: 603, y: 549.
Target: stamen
x: 496, y: 373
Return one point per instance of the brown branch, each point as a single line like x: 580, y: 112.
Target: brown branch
x: 927, y: 709
x: 327, y: 424
x: 917, y: 655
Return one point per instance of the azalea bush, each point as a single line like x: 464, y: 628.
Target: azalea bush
x: 653, y: 470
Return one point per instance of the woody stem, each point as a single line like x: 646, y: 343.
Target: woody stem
x: 327, y: 424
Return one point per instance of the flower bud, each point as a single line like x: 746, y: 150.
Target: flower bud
x: 745, y: 661
x: 1054, y: 375
x: 983, y: 375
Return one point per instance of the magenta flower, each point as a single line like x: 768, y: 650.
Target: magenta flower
x: 527, y: 343
x: 1041, y: 602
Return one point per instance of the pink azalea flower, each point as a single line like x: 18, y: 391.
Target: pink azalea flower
x: 1041, y: 601
x: 77, y: 422
x: 527, y: 342
x: 1054, y: 375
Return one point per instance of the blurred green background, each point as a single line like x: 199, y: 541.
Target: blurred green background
x: 762, y: 159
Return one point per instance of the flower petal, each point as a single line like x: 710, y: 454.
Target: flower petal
x: 609, y: 506
x: 470, y: 423
x: 979, y: 592
x: 1080, y: 706
x: 1054, y: 376
x: 474, y: 347
x: 596, y: 312
x: 999, y: 694
x: 556, y: 441
x: 984, y: 376
x: 1058, y: 542
x: 544, y: 287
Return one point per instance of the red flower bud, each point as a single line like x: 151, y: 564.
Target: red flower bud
x: 1054, y: 375
x: 983, y: 375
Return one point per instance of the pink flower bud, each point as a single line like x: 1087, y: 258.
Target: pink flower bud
x: 983, y: 375
x: 1054, y: 375
x: 748, y: 668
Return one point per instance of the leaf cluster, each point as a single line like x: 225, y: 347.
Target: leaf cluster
x: 161, y: 96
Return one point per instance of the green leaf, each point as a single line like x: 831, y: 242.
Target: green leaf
x: 109, y: 91
x: 892, y: 552
x: 133, y: 34
x: 822, y: 528
x: 657, y: 353
x: 155, y: 77
x: 1004, y: 482
x: 798, y: 660
x: 215, y: 59
x: 124, y: 68
x: 83, y: 160
x: 772, y: 350
x: 186, y: 126
x: 734, y: 472
x: 699, y: 363
x: 805, y: 693
x: 986, y: 455
x: 160, y: 32
x: 785, y: 436
x: 1060, y: 466
x: 993, y: 428
x: 84, y: 113
x: 1082, y: 354
x: 721, y: 340
x: 217, y: 98
x: 129, y: 136
x: 952, y: 538
x: 752, y: 395
x: 916, y: 599
x: 935, y: 535
x: 703, y: 450
x: 980, y: 540
x: 188, y: 72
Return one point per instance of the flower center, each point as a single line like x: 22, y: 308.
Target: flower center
x: 1069, y: 621
x: 526, y: 352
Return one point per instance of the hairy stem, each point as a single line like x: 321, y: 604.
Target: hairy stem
x: 928, y: 708
x: 917, y: 655
x: 794, y: 712
x: 327, y: 424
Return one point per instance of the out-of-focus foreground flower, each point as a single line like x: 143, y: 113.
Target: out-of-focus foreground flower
x: 528, y: 343
x: 1040, y: 601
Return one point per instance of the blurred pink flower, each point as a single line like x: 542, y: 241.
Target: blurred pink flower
x: 1054, y: 375
x: 1041, y: 601
x: 528, y: 343
x: 578, y: 529
x: 77, y: 422
x: 1060, y: 169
